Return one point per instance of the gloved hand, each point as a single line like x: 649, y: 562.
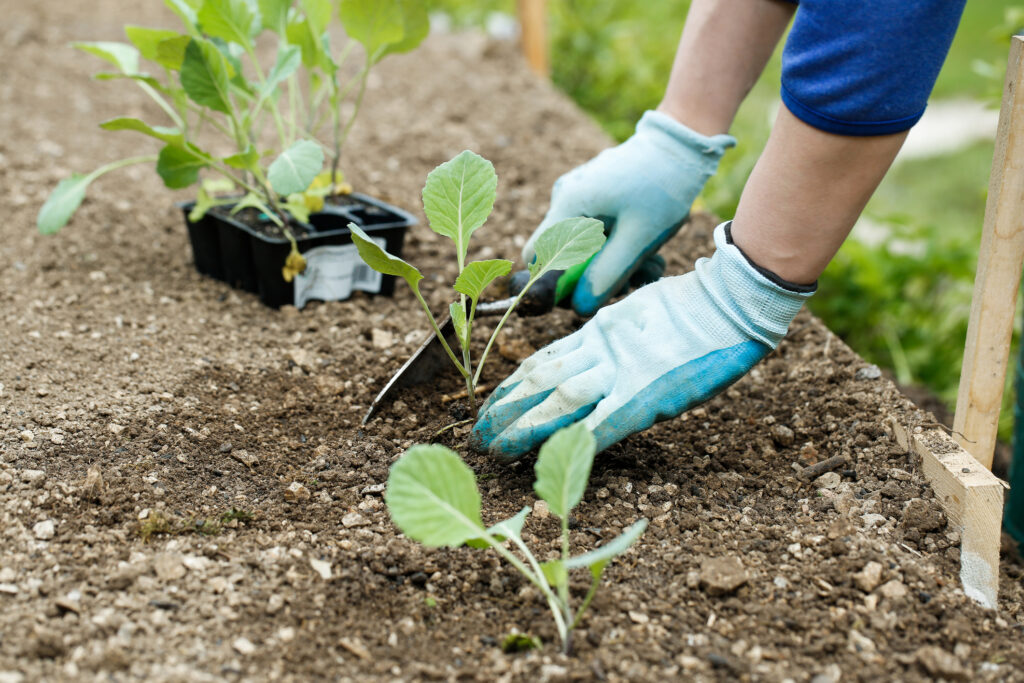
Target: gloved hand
x: 660, y: 351
x: 644, y: 188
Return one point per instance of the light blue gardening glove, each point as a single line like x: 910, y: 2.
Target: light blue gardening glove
x: 643, y: 188
x: 660, y: 351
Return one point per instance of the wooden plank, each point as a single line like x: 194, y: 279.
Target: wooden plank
x: 534, y: 34
x: 990, y: 326
x: 972, y: 498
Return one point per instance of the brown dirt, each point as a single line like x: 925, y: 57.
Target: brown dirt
x: 141, y: 404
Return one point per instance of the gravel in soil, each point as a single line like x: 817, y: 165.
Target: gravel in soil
x: 186, y: 492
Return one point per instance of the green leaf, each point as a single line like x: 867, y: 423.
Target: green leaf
x: 318, y: 12
x: 295, y: 169
x: 475, y: 277
x: 251, y: 200
x: 170, y: 53
x: 62, y: 203
x: 555, y: 572
x: 458, y: 198
x: 563, y: 468
x: 458, y: 314
x: 299, y: 33
x: 125, y: 57
x: 205, y: 200
x: 504, y: 530
x: 274, y: 14
x: 186, y: 11
x: 381, y: 261
x: 297, y: 207
x: 289, y: 57
x: 179, y: 165
x: 599, y: 557
x: 230, y: 20
x: 374, y: 23
x: 171, y: 136
x: 567, y: 243
x: 205, y: 75
x: 141, y: 78
x: 148, y: 39
x: 246, y: 160
x: 415, y: 24
x: 432, y: 497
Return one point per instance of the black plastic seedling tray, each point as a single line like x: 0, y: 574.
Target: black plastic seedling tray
x: 233, y: 252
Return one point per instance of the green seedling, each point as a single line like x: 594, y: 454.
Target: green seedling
x: 433, y: 498
x: 458, y: 198
x: 209, y: 82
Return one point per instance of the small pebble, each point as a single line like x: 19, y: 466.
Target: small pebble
x: 44, y: 530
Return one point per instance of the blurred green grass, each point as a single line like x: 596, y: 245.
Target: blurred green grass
x: 903, y: 308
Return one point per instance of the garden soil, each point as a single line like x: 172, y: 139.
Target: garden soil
x: 187, y: 493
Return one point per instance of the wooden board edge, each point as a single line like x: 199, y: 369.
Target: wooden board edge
x: 972, y: 498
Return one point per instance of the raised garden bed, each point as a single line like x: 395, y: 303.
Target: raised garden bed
x: 199, y: 410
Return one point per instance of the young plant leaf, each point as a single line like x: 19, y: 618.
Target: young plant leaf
x: 170, y: 53
x: 318, y: 12
x: 146, y: 40
x: 246, y: 160
x: 374, y: 23
x: 171, y: 136
x: 123, y: 56
x: 458, y: 198
x: 179, y: 165
x: 433, y: 498
x: 458, y: 314
x: 62, y: 203
x: 186, y: 11
x: 274, y: 14
x: 251, y: 200
x: 139, y: 78
x: 206, y: 75
x: 295, y: 169
x: 504, y: 530
x: 555, y: 572
x: 299, y: 34
x: 381, y: 261
x: 416, y: 25
x: 289, y: 58
x: 230, y: 20
x: 567, y: 243
x: 563, y: 468
x: 297, y: 207
x: 475, y: 277
x: 599, y: 557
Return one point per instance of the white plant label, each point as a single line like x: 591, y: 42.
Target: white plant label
x: 332, y: 273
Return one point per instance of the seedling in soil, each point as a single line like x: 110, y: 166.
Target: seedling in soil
x: 209, y: 80
x: 458, y: 198
x: 433, y: 498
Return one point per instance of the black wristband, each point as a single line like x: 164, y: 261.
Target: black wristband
x: 772, y: 277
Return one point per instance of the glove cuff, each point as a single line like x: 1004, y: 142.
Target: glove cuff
x: 763, y: 308
x: 677, y: 135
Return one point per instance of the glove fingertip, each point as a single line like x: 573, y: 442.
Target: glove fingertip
x: 585, y: 300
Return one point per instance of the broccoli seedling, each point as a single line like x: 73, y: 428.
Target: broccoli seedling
x: 457, y: 198
x: 433, y: 498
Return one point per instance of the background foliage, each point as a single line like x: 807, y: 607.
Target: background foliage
x: 901, y: 301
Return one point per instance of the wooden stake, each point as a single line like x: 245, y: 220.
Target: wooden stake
x: 972, y: 498
x: 534, y: 34
x: 1000, y: 258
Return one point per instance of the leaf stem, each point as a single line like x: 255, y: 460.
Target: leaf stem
x: 554, y: 604
x: 497, y: 328
x: 594, y: 584
x: 437, y: 330
x: 339, y: 140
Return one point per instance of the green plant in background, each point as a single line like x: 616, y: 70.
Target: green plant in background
x: 433, y: 498
x: 458, y: 198
x: 210, y: 78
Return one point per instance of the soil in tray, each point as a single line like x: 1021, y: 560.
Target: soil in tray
x: 257, y: 221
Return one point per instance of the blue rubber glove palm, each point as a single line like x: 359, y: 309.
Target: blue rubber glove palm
x: 644, y: 188
x: 660, y: 351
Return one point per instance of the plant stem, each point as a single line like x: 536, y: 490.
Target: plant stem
x: 554, y: 605
x: 437, y: 331
x: 162, y: 103
x: 497, y: 329
x: 586, y: 601
x: 339, y: 140
x: 121, y: 163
